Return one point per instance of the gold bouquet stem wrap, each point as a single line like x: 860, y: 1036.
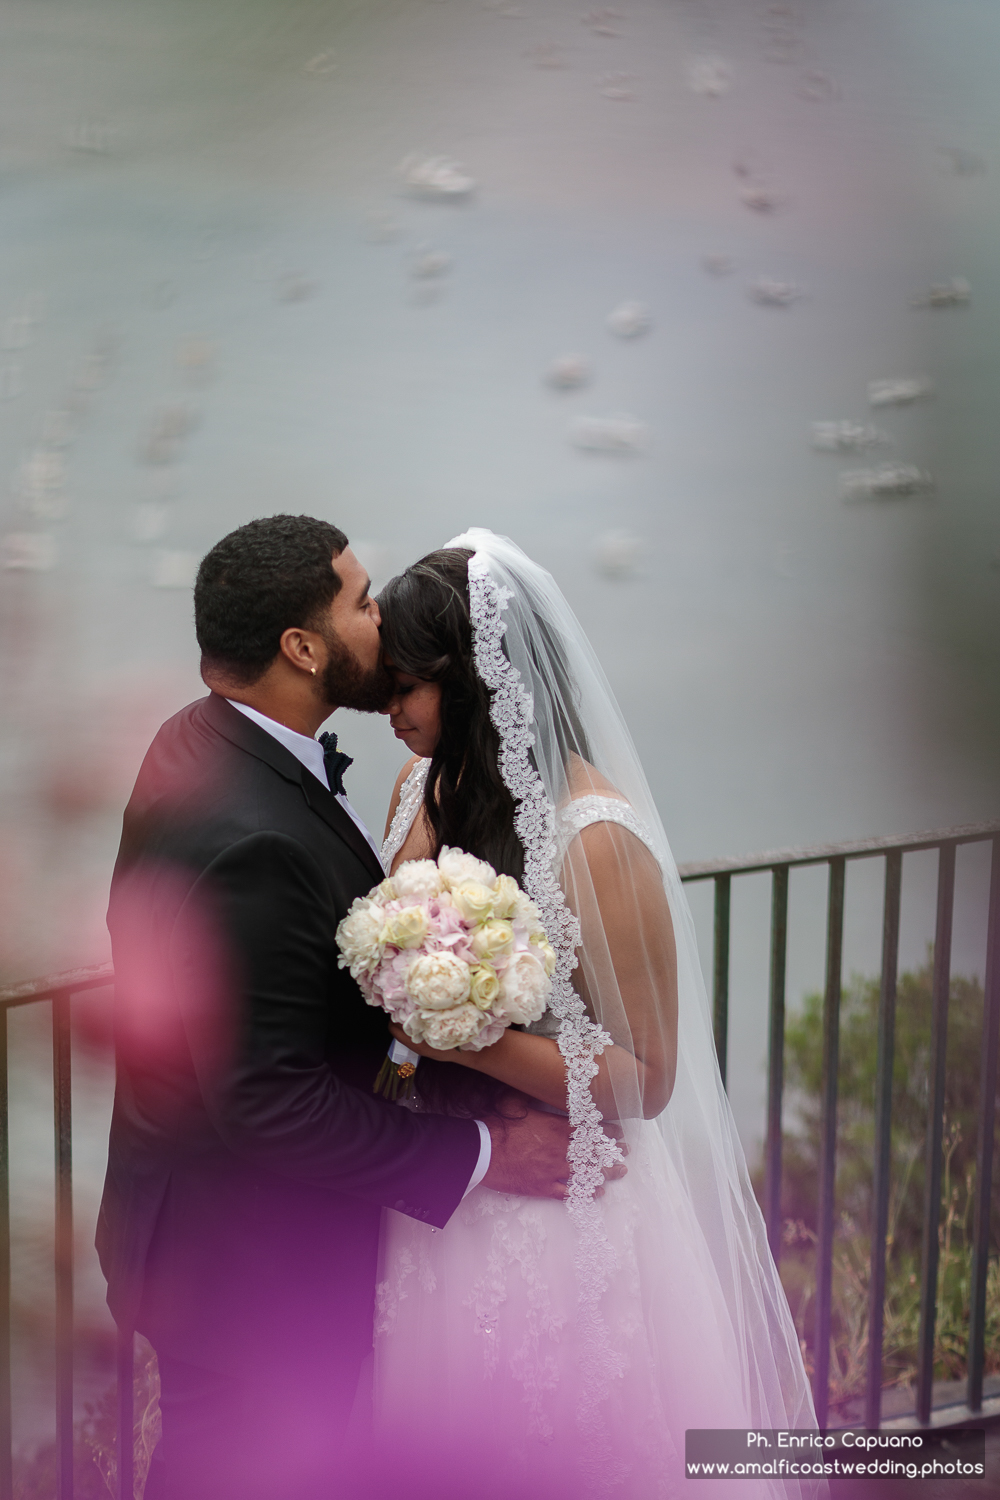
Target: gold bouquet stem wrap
x: 396, y: 1076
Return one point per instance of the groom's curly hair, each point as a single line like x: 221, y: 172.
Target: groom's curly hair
x: 263, y: 579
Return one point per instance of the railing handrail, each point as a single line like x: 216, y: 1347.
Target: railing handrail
x: 779, y: 862
x: 94, y: 976
x: 58, y: 988
x: 820, y: 854
x: 69, y: 982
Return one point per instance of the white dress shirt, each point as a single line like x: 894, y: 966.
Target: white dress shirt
x: 309, y: 753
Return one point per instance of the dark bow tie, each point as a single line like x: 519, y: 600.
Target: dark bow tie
x: 336, y: 763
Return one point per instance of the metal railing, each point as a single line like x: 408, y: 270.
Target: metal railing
x: 59, y: 989
x: 836, y: 858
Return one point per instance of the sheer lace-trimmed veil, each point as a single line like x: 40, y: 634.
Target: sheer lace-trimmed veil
x: 557, y: 718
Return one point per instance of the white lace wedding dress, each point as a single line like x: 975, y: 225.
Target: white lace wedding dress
x: 480, y: 1340
x: 540, y: 1348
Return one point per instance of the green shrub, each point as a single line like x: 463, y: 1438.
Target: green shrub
x: 854, y: 1180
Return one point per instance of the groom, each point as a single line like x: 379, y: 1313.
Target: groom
x: 249, y: 1160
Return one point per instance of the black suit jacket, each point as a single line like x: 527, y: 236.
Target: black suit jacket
x: 248, y: 1159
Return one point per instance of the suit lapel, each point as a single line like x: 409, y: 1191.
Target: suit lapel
x: 325, y: 804
x: 248, y: 736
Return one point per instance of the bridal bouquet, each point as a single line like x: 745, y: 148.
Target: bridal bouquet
x: 454, y: 952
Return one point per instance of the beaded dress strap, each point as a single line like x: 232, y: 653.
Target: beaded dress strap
x: 585, y: 811
x: 410, y: 797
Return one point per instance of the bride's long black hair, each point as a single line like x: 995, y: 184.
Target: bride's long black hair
x: 427, y: 633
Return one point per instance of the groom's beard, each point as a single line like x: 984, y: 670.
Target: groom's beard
x: 346, y: 684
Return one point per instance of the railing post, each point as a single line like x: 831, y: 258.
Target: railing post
x: 828, y: 1136
x: 883, y: 1138
x: 6, y: 1436
x: 984, y: 1144
x: 935, y: 1123
x: 720, y: 972
x: 62, y: 1096
x: 776, y: 1058
x: 125, y: 1370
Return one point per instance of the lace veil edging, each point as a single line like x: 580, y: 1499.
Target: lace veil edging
x: 517, y: 614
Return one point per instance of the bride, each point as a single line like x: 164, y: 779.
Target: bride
x: 533, y: 1346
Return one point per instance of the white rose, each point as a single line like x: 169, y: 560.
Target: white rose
x: 418, y: 878
x: 452, y: 1028
x: 456, y: 867
x: 437, y: 981
x: 525, y: 911
x: 473, y: 900
x: 524, y: 989
x: 358, y: 936
x: 507, y: 893
x: 406, y: 928
x: 491, y: 939
x: 484, y: 987
x: 545, y: 951
x: 387, y: 890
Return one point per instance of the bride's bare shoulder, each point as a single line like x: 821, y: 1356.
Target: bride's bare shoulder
x: 584, y: 780
x: 608, y: 845
x: 397, y: 791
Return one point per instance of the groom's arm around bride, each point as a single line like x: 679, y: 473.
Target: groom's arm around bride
x: 249, y: 1160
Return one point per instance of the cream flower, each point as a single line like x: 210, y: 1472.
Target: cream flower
x: 452, y: 1028
x: 457, y: 867
x: 505, y: 901
x: 418, y: 878
x: 484, y: 986
x: 525, y: 911
x: 491, y: 939
x: 358, y: 936
x: 406, y: 928
x: 437, y: 981
x: 546, y: 952
x: 492, y: 1030
x: 489, y: 963
x: 524, y: 989
x: 412, y: 1023
x: 474, y: 900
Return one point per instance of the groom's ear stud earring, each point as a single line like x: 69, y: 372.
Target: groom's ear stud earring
x: 313, y: 671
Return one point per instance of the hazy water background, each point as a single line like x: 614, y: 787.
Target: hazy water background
x: 202, y: 216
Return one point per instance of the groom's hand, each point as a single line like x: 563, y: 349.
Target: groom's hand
x: 529, y: 1155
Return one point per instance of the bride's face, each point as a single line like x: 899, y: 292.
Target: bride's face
x: 415, y: 712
